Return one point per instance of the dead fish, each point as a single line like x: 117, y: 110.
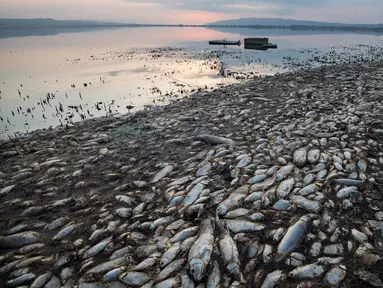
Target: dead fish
x: 300, y: 157
x: 109, y: 265
x: 293, y: 237
x: 21, y: 176
x: 113, y: 275
x: 121, y: 252
x: 313, y: 156
x: 348, y: 182
x: 64, y: 232
x: 236, y: 213
x: 204, y: 170
x: 335, y: 276
x: 234, y: 200
x: 124, y: 212
x: 148, y: 262
x: 214, y: 277
x: 245, y: 160
x: 255, y: 196
x: 307, y: 190
x: 170, y: 270
x: 238, y: 226
x: 161, y: 221
x: 362, y: 165
x: 6, y: 190
x: 135, y: 279
x: 96, y: 249
x: 200, y: 252
x: 170, y: 254
x: 284, y: 172
x: 186, y: 282
x: 308, y: 205
x: 164, y: 172
x: 180, y: 181
x: 129, y: 201
x: 214, y: 140
x: 184, y: 234
x: 257, y: 179
x: 169, y: 283
x: 309, y: 271
x: 193, y: 195
x: 369, y: 278
x: 285, y: 187
x: 23, y: 279
x: 347, y: 192
x: 19, y: 239
x: 145, y: 251
x: 176, y: 225
x: 272, y: 279
x: 229, y: 252
x: 41, y: 280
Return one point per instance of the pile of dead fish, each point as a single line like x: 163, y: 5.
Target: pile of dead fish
x: 271, y: 183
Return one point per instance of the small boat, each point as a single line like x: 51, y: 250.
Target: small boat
x: 224, y: 42
x: 270, y: 46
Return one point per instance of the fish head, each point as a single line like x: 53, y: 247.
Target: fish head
x: 279, y: 177
x: 197, y: 269
x: 309, y: 217
x: 234, y: 271
x: 221, y: 209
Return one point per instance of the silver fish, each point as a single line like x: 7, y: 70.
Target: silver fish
x: 96, y: 249
x: 186, y: 282
x: 335, y: 276
x: 193, y: 195
x: 238, y: 225
x: 313, y: 156
x: 41, y: 280
x: 347, y: 192
x: 19, y: 239
x: 273, y: 278
x: 300, y: 157
x: 200, y: 252
x: 308, y: 205
x: 229, y: 252
x: 109, y: 265
x: 135, y: 279
x: 285, y: 187
x: 64, y: 232
x: 169, y: 283
x: 214, y: 277
x: 293, y: 237
x: 184, y: 234
x: 171, y: 269
x: 214, y: 140
x: 113, y: 275
x: 309, y: 271
x: 170, y: 254
x: 164, y: 172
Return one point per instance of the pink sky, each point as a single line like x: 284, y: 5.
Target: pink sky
x: 194, y: 11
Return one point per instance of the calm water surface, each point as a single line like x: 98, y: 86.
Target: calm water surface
x: 43, y: 78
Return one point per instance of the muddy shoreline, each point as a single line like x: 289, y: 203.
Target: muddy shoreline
x: 110, y: 179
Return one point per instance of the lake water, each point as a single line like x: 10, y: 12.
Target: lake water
x: 57, y: 76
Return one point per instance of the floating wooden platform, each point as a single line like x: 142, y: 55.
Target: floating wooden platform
x: 259, y: 44
x: 225, y: 42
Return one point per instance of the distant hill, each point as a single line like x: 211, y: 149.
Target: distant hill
x: 285, y: 22
x: 7, y: 23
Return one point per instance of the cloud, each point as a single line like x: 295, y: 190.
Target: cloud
x: 238, y: 6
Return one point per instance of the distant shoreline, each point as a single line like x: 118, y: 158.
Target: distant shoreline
x: 290, y: 27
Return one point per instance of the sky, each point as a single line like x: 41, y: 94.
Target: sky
x: 195, y: 11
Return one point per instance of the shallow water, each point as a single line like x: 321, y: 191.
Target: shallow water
x: 122, y: 67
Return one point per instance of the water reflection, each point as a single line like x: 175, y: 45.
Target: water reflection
x: 123, y: 67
